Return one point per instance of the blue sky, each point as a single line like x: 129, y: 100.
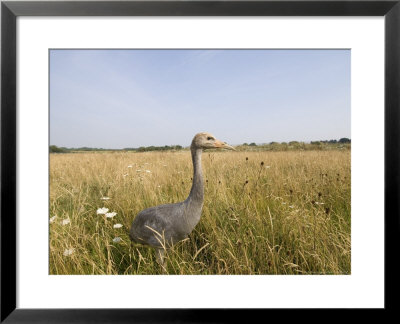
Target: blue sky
x: 132, y: 98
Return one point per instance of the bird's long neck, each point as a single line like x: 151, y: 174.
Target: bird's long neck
x: 196, y: 195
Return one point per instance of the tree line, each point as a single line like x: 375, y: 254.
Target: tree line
x: 291, y: 143
x: 343, y: 143
x: 274, y: 146
x: 56, y: 149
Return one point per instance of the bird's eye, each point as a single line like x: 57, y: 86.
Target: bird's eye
x: 209, y: 138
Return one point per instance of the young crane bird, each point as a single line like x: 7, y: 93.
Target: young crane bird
x: 162, y: 226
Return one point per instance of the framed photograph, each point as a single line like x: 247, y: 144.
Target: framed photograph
x: 163, y: 158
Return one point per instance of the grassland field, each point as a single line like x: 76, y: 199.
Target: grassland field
x: 264, y: 212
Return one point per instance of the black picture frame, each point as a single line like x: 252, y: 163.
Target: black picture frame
x: 10, y: 10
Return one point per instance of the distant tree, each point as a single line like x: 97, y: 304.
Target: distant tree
x: 344, y: 140
x: 56, y: 149
x: 293, y: 143
x: 252, y: 144
x: 245, y: 144
x: 316, y: 143
x: 273, y: 143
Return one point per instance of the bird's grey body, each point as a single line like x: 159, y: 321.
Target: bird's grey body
x: 152, y: 227
x: 163, y: 226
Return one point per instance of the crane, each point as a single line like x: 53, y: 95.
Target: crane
x: 162, y: 226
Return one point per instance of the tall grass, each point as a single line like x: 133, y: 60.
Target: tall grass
x: 264, y: 212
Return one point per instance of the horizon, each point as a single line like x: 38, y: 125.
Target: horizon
x: 185, y: 147
x: 133, y: 98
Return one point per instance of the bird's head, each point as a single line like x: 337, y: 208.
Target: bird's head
x: 208, y: 141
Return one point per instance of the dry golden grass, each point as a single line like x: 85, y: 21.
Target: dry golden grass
x: 264, y: 212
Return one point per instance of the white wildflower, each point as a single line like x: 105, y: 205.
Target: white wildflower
x: 105, y: 198
x: 68, y: 252
x: 148, y: 171
x: 111, y: 215
x: 291, y: 206
x: 102, y: 210
x: 65, y: 221
x: 52, y: 219
x: 117, y: 240
x: 129, y: 166
x: 138, y: 170
x: 117, y: 225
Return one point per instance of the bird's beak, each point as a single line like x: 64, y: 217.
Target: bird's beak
x: 220, y: 144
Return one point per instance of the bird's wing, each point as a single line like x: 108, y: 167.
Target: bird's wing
x: 158, y: 226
